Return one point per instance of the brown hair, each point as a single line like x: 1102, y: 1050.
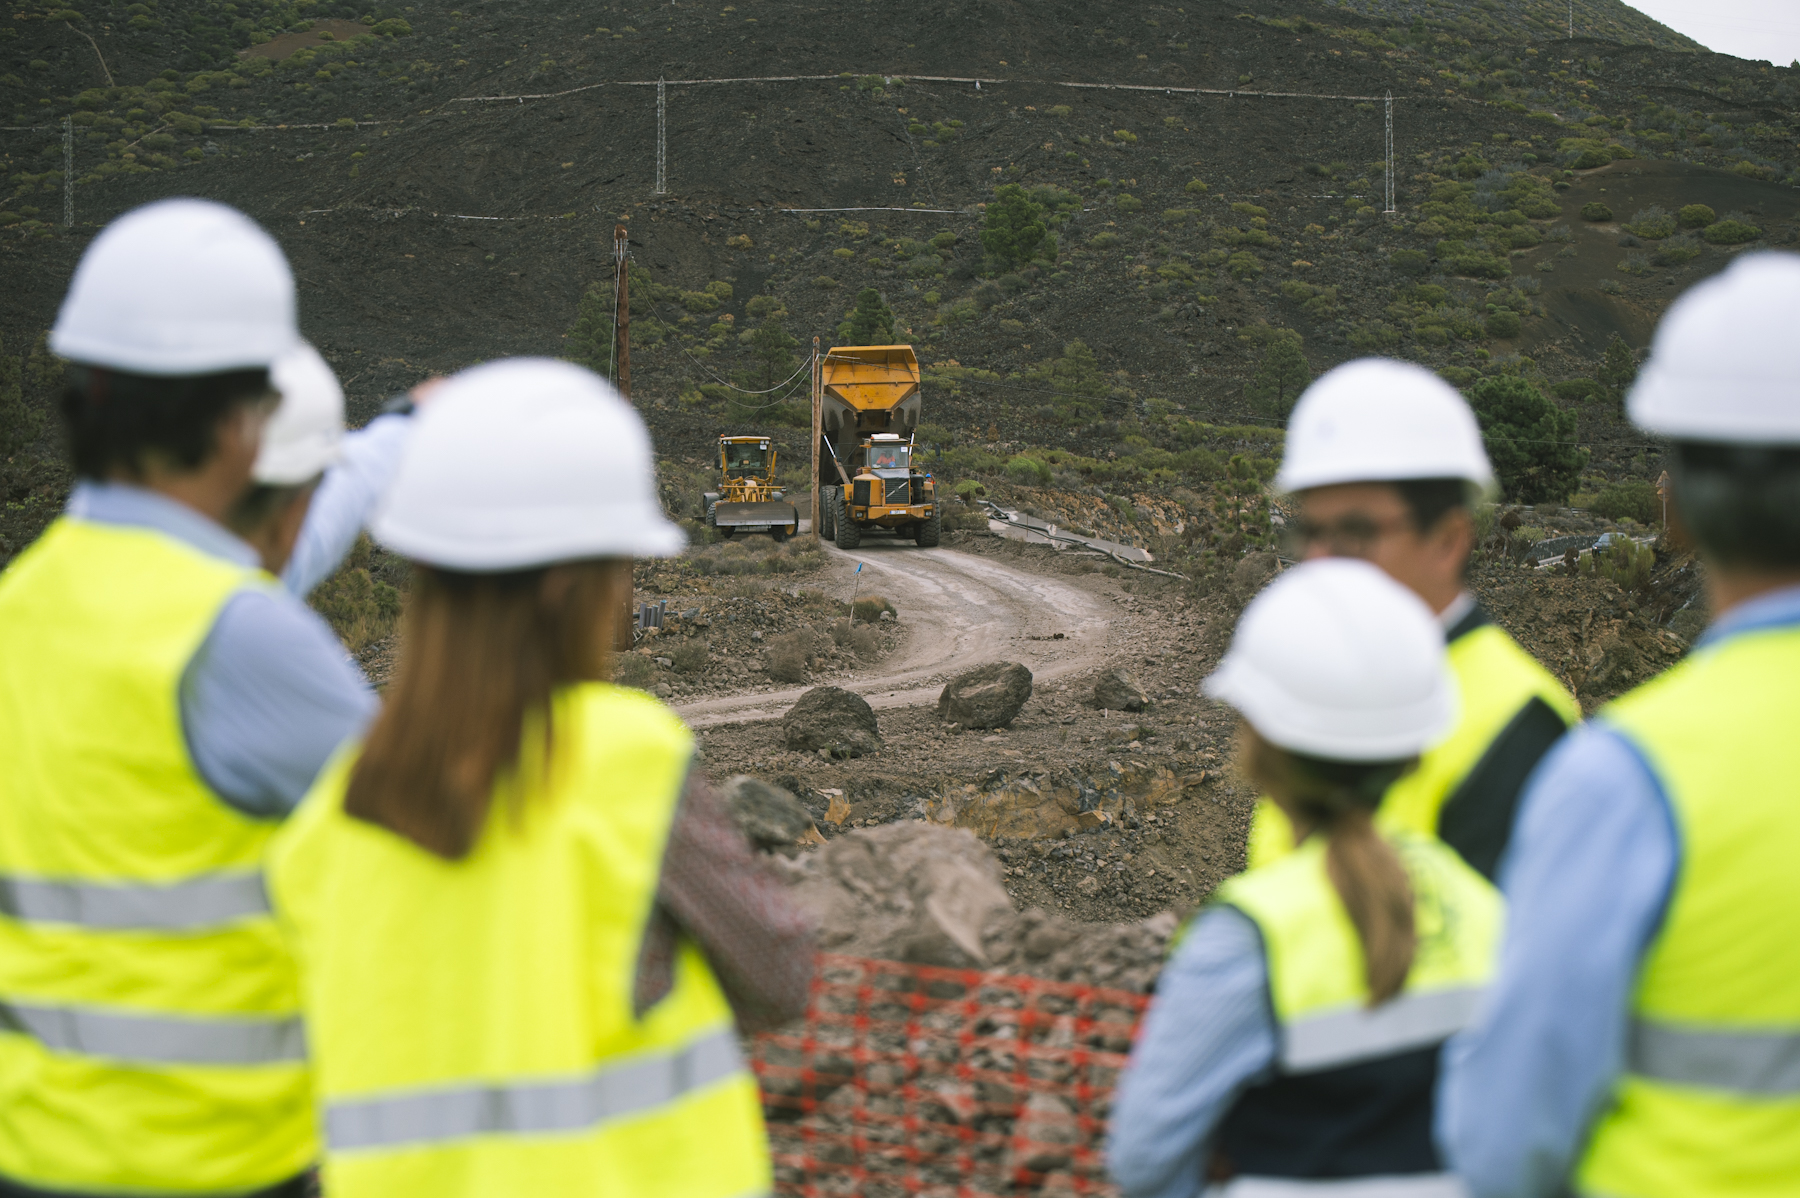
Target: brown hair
x: 1338, y: 798
x: 482, y: 655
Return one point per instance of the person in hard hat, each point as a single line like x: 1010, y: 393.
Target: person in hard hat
x: 1386, y: 461
x: 163, y: 702
x: 1294, y: 1038
x: 524, y: 920
x: 1643, y: 1035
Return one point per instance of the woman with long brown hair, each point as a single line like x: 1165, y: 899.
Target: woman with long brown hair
x: 523, y: 920
x: 1293, y: 1044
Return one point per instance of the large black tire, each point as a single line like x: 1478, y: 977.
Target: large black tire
x: 712, y: 516
x: 779, y: 533
x: 929, y: 532
x: 827, y: 510
x: 849, y: 536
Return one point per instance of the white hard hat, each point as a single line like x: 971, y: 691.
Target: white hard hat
x: 1381, y: 420
x: 1723, y: 364
x: 179, y: 287
x: 1337, y: 660
x: 525, y: 462
x: 304, y: 435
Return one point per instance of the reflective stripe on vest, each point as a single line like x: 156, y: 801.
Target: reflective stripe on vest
x: 1746, y: 1061
x: 179, y: 906
x: 1343, y: 1037
x: 1708, y: 1104
x: 1404, y: 1185
x: 158, y: 1040
x: 150, y: 1039
x: 610, y: 1092
x: 474, y: 1020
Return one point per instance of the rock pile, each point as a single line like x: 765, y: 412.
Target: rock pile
x: 930, y: 895
x: 1117, y: 690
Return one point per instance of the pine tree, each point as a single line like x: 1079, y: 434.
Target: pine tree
x: 773, y: 348
x: 1618, y: 370
x: 19, y: 423
x: 1076, y: 379
x: 871, y: 322
x: 1529, y: 439
x: 1013, y: 232
x: 1281, y: 376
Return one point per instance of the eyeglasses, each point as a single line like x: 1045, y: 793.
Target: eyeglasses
x: 1355, y: 535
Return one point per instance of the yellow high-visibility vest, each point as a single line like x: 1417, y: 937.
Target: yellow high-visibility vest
x: 1502, y: 690
x: 1709, y: 1102
x: 1351, y: 1091
x: 471, y: 1021
x: 149, y: 1018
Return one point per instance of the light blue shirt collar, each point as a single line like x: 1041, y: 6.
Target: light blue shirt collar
x: 138, y: 507
x: 1777, y: 609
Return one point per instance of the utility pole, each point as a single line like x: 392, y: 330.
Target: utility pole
x: 817, y: 432
x: 1390, y: 154
x: 662, y: 124
x: 68, y: 172
x: 622, y: 311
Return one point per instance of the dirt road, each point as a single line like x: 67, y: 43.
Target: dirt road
x: 964, y: 611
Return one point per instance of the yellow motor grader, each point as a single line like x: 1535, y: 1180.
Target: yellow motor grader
x: 748, y: 499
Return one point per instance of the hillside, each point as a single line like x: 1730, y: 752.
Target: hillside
x: 446, y: 185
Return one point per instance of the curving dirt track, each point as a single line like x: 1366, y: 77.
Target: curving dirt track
x: 964, y: 610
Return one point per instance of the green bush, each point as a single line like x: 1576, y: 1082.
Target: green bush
x: 1630, y: 500
x: 1684, y: 247
x: 1504, y: 323
x: 1578, y: 390
x: 1623, y: 561
x: 392, y: 27
x: 1410, y: 262
x: 1195, y: 187
x: 1596, y: 211
x: 1243, y: 266
x: 1028, y: 471
x: 969, y: 489
x: 1652, y: 224
x: 1128, y: 203
x: 1731, y: 232
x: 1696, y: 216
x: 824, y: 282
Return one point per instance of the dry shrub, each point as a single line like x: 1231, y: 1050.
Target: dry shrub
x: 868, y: 609
x: 787, y: 657
x: 634, y: 669
x: 689, y: 654
x: 360, y: 608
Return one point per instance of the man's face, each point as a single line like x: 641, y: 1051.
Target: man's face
x: 1371, y: 521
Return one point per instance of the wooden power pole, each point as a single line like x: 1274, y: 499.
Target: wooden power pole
x: 622, y: 318
x: 818, y: 373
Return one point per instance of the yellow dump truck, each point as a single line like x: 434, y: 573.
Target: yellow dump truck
x: 748, y: 499
x: 868, y: 416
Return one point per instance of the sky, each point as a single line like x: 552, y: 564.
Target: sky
x: 1754, y: 29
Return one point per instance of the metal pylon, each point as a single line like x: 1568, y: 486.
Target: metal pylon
x: 662, y: 125
x: 1390, y: 153
x: 68, y: 172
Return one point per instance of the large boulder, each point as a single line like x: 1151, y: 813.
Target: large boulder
x: 1117, y: 690
x: 769, y: 815
x: 828, y: 717
x: 986, y: 697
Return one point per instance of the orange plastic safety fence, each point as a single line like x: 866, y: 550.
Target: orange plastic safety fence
x: 913, y: 1080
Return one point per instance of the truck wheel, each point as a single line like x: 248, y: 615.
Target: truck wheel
x: 827, y: 509
x: 849, y: 536
x: 778, y: 533
x: 927, y: 533
x: 712, y: 516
